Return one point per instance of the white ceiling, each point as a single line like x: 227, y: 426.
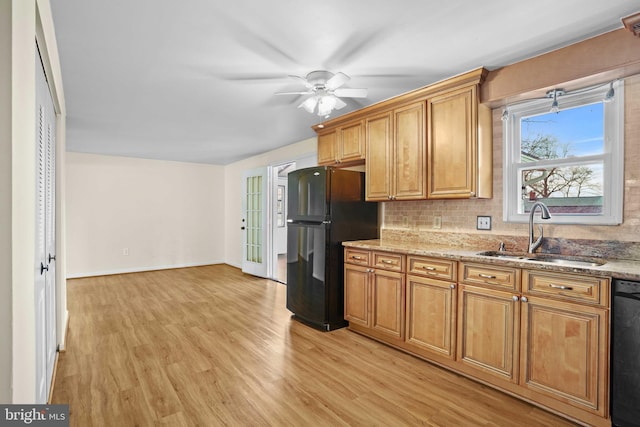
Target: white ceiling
x: 194, y: 80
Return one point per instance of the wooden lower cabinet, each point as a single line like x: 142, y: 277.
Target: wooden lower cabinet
x: 357, y: 294
x: 540, y: 335
x: 388, y: 303
x: 431, y: 315
x: 562, y: 352
x: 488, y: 331
x: 374, y: 297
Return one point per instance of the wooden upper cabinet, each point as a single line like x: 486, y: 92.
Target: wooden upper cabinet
x: 458, y: 149
x: 396, y: 147
x: 379, y: 164
x: 431, y: 143
x: 344, y: 144
x: 352, y: 142
x: 410, y: 150
x: 327, y: 147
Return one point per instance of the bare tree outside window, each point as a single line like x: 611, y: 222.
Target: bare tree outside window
x: 575, y: 181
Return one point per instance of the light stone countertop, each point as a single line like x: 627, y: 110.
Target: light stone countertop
x: 617, y: 269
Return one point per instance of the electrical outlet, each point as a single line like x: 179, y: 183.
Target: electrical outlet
x: 125, y: 251
x: 437, y: 222
x: 484, y: 223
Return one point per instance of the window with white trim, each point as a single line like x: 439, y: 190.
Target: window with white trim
x: 570, y: 158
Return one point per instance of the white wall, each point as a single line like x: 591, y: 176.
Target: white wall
x: 5, y: 201
x: 167, y: 214
x: 233, y: 198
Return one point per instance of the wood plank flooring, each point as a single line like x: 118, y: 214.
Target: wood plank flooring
x: 211, y: 346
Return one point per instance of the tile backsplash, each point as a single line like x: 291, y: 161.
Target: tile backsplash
x: 414, y: 219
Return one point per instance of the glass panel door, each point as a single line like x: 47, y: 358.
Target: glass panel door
x: 254, y: 222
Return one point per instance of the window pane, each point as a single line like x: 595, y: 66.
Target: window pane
x: 570, y: 132
x: 571, y: 190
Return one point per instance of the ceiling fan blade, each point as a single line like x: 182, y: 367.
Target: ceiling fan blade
x: 351, y: 92
x: 339, y: 103
x: 336, y: 81
x: 302, y: 80
x: 294, y: 93
x: 309, y: 104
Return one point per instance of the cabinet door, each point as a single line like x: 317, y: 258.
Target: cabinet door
x: 357, y: 294
x: 378, y: 166
x: 451, y: 144
x: 410, y: 152
x: 488, y: 331
x: 351, y: 143
x: 563, y: 352
x: 431, y: 315
x: 327, y: 148
x: 388, y: 303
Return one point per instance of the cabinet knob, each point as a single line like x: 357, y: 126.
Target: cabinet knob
x: 452, y: 286
x: 515, y: 298
x: 525, y: 299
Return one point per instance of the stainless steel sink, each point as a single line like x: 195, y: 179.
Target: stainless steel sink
x: 567, y: 260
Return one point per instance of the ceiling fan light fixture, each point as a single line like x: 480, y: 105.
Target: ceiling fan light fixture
x: 309, y: 104
x: 326, y: 104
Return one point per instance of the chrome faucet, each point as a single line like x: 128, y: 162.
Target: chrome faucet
x: 544, y: 215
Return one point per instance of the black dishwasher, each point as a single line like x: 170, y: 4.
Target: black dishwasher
x: 625, y: 354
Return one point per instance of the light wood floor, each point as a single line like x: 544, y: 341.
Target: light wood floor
x: 210, y: 346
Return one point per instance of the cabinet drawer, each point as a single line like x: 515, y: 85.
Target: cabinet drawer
x: 490, y: 275
x: 571, y: 287
x: 356, y: 256
x: 432, y: 267
x: 388, y: 261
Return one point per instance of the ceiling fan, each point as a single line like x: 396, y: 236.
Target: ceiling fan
x: 324, y: 88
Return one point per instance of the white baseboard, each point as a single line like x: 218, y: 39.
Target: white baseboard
x: 65, y: 328
x: 138, y: 269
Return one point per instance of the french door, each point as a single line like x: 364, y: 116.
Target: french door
x: 254, y: 222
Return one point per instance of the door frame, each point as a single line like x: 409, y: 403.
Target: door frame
x: 274, y: 224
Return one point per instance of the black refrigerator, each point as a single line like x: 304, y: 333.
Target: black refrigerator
x: 325, y: 208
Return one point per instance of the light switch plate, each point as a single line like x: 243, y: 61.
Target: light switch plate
x: 484, y: 223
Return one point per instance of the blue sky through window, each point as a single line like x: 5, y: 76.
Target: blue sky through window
x: 580, y: 127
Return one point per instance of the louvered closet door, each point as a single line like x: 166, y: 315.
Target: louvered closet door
x: 50, y: 243
x: 44, y: 237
